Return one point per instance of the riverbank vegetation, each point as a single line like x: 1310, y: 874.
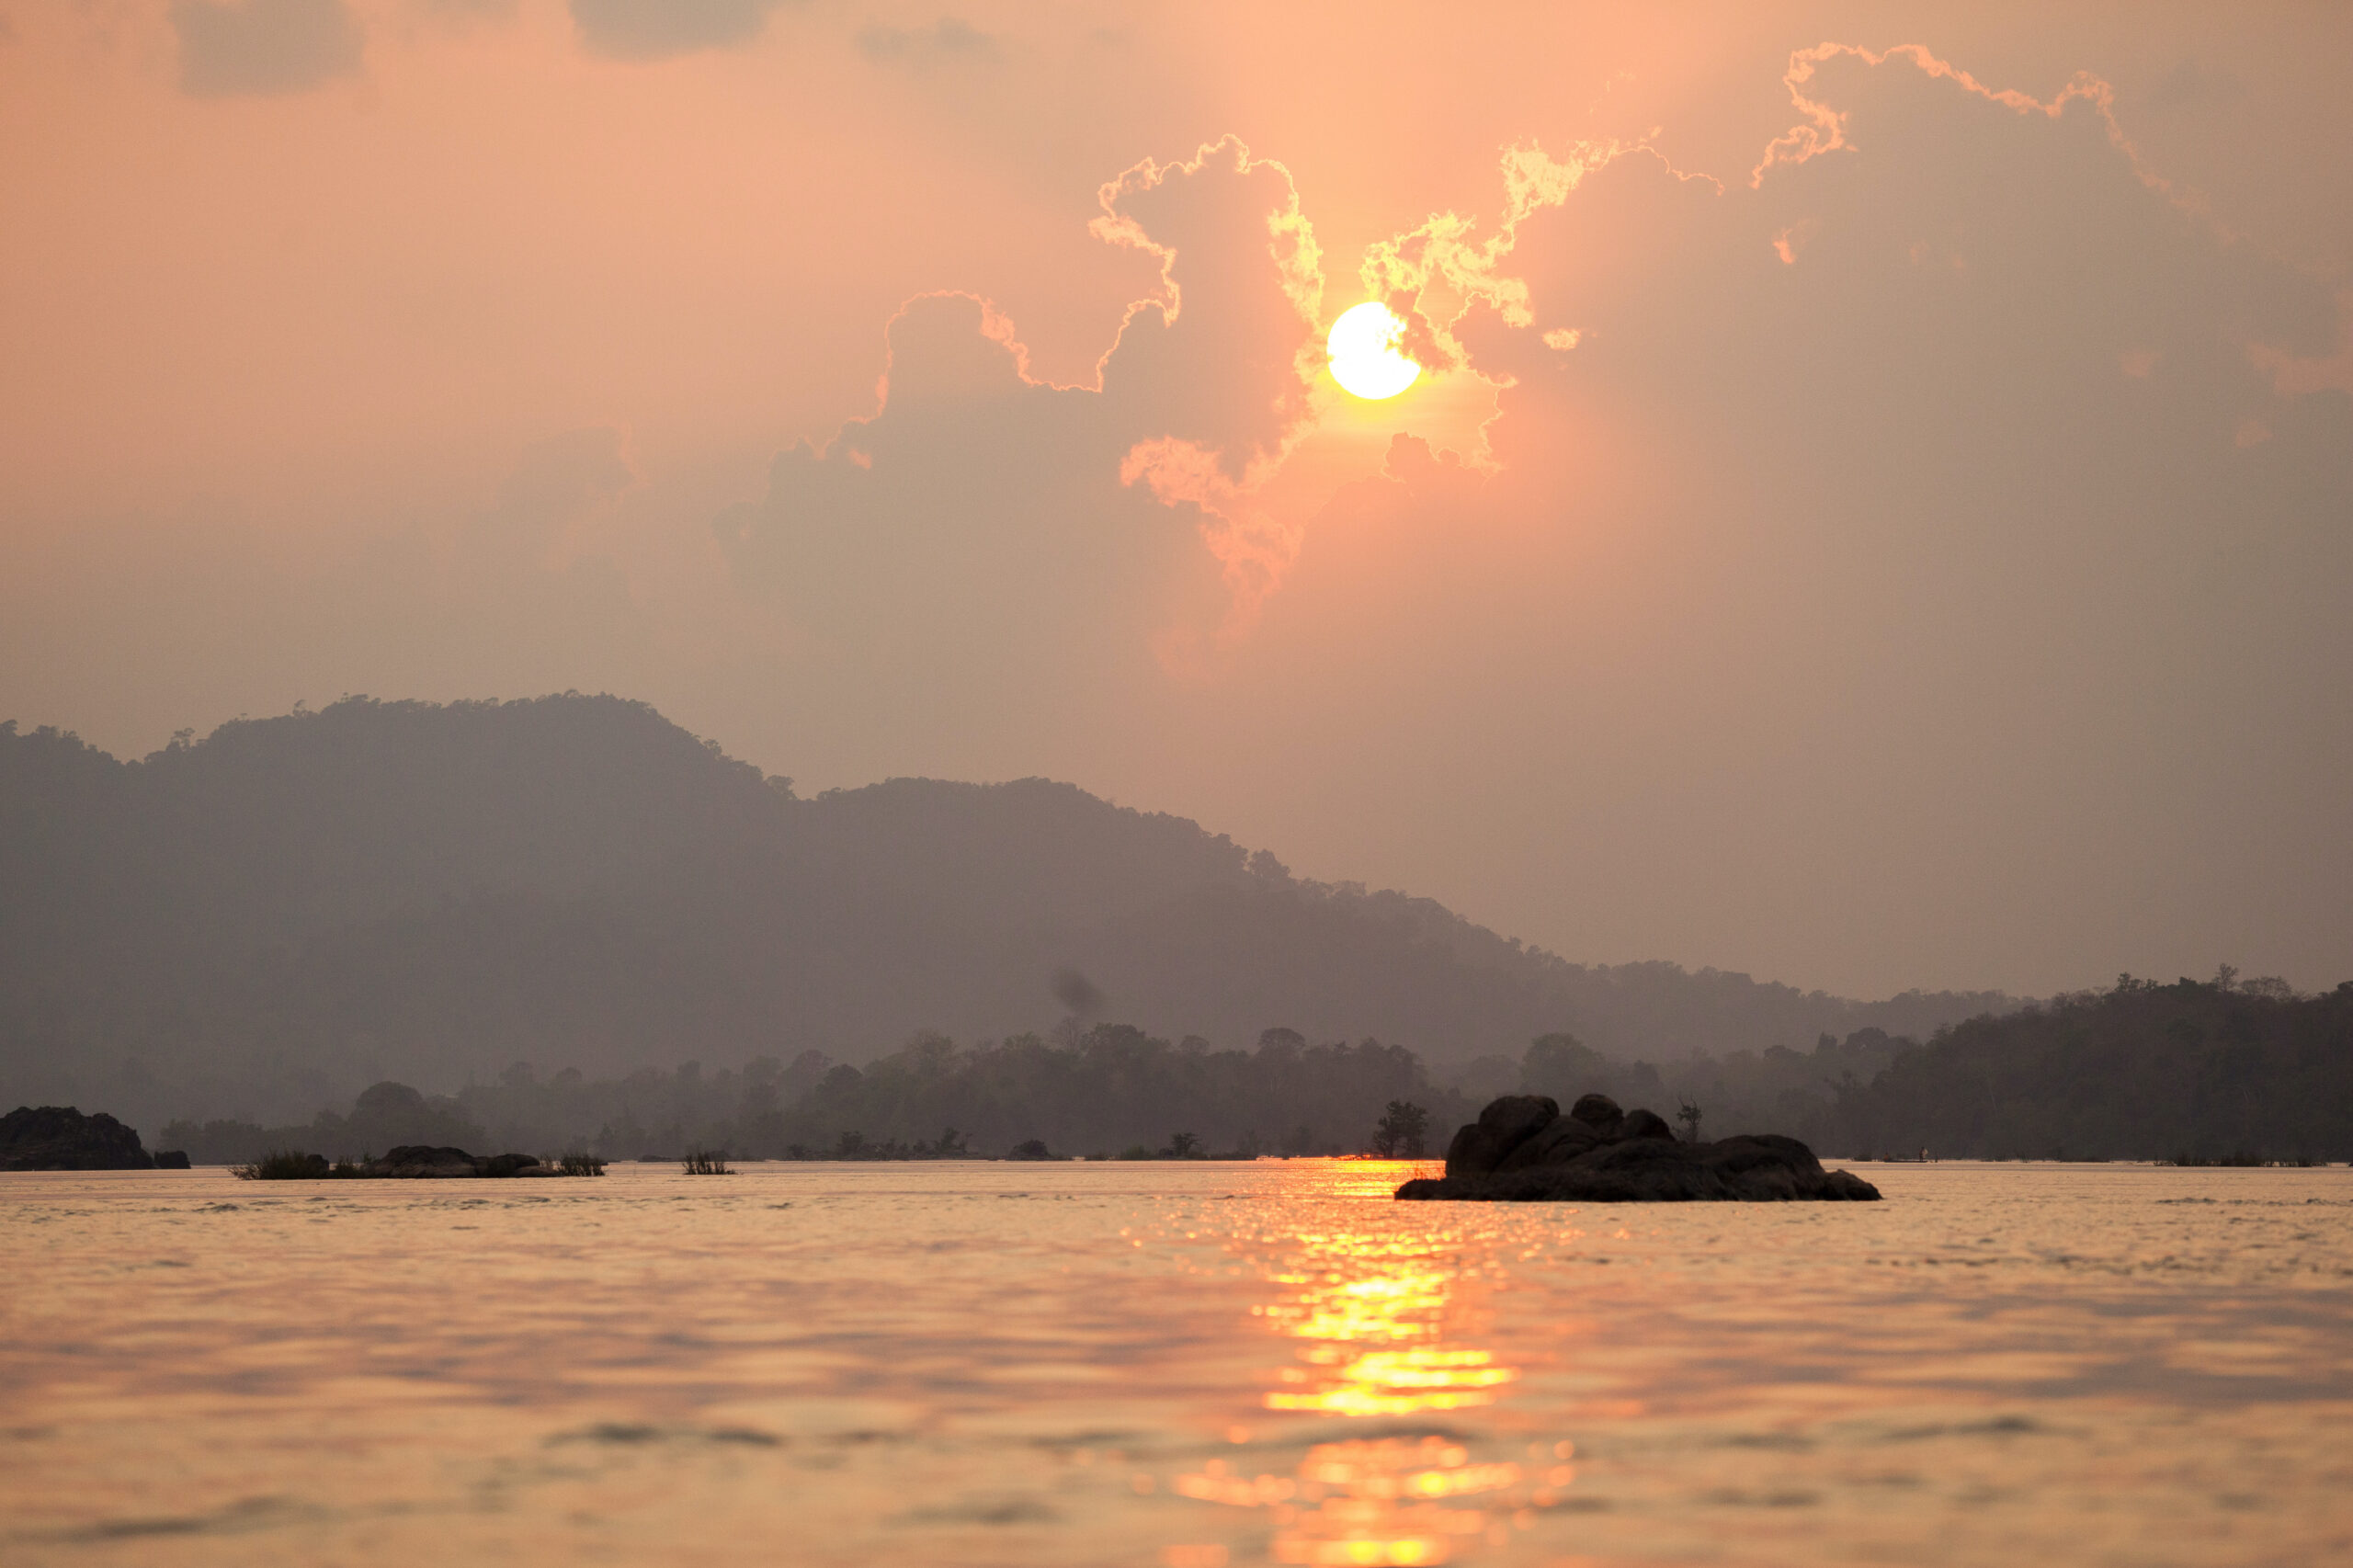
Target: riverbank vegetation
x: 294, y: 1164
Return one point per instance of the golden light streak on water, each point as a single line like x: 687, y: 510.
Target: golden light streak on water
x: 1374, y: 1313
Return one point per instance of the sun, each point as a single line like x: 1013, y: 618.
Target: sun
x: 1365, y: 357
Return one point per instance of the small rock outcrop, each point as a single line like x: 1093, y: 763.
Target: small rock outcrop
x: 414, y: 1162
x: 1523, y: 1149
x: 60, y: 1138
x: 426, y: 1160
x: 422, y: 1160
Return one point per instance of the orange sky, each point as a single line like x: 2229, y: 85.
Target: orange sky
x: 1963, y: 600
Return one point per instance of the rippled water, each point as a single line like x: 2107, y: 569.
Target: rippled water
x: 1186, y: 1366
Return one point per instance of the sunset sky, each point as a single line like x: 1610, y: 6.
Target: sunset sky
x: 1877, y: 509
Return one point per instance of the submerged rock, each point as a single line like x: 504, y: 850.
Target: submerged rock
x: 60, y: 1138
x: 1523, y: 1149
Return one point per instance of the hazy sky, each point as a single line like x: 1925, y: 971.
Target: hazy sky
x: 1873, y: 516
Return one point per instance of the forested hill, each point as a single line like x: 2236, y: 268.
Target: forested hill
x: 2212, y: 1071
x: 266, y: 919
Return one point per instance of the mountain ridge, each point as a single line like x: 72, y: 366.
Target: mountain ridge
x: 267, y: 919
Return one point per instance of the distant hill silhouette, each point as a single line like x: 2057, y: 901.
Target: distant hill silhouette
x: 263, y: 921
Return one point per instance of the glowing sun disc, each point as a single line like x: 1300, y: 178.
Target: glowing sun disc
x: 1365, y: 356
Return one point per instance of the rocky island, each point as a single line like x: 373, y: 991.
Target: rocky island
x: 416, y: 1162
x: 60, y: 1138
x: 1523, y: 1149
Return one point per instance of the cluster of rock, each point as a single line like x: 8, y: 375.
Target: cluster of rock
x: 424, y: 1160
x: 1523, y: 1150
x: 60, y: 1138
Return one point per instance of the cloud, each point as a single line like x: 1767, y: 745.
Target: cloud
x: 470, y: 10
x: 2091, y: 100
x: 1730, y: 316
x: 947, y: 41
x: 1254, y: 543
x: 938, y: 563
x: 657, y: 29
x: 550, y: 507
x: 1233, y: 378
x: 2195, y: 87
x: 1447, y: 257
x: 978, y: 484
x: 250, y: 47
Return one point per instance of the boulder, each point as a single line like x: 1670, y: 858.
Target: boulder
x: 1506, y: 1123
x: 1557, y: 1144
x: 172, y: 1160
x: 60, y: 1138
x: 423, y: 1160
x: 1600, y: 1113
x: 1645, y: 1124
x: 1597, y: 1154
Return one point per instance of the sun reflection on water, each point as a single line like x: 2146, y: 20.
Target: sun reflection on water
x: 1374, y: 1317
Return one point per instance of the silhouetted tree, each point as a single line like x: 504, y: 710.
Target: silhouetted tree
x: 1400, y: 1132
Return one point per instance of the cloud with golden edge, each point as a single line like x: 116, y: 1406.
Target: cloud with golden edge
x: 1210, y: 385
x: 1824, y: 129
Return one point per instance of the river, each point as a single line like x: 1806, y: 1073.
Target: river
x: 1179, y: 1365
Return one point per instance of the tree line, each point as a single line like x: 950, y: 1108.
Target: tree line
x: 2206, y: 1071
x: 2210, y: 1071
x: 1103, y: 1092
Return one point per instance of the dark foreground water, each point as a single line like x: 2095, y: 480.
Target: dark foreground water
x: 1185, y: 1366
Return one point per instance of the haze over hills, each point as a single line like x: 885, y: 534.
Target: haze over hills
x: 265, y: 920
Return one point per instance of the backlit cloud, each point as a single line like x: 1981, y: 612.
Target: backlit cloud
x: 1790, y: 308
x: 241, y: 48
x: 972, y: 471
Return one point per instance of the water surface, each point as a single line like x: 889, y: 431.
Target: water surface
x: 1182, y: 1365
